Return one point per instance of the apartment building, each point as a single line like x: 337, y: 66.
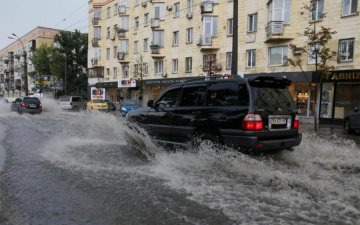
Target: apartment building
x: 146, y: 45
x: 12, y: 59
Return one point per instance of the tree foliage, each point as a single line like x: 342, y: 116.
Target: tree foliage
x: 69, y: 59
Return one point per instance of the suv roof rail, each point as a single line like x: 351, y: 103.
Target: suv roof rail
x: 215, y: 77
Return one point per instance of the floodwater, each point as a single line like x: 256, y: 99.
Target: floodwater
x: 78, y: 168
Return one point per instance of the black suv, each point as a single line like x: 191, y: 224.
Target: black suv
x: 253, y: 114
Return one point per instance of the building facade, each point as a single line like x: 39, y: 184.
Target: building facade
x: 12, y: 59
x: 137, y: 48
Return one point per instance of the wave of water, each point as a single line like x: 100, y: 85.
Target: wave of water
x: 317, y: 183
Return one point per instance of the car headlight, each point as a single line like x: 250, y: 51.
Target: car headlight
x: 123, y: 109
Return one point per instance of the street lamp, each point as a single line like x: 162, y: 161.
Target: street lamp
x: 25, y: 63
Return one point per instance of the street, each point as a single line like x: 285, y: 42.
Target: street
x: 77, y: 168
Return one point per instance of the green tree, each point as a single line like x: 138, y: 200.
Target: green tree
x: 68, y: 60
x: 316, y: 46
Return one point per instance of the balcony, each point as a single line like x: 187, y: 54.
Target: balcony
x: 97, y: 72
x: 95, y: 42
x: 155, y: 23
x: 207, y: 42
x: 155, y: 49
x: 95, y: 61
x: 6, y: 60
x: 276, y: 31
x: 121, y: 32
x: 122, y: 57
x: 207, y: 7
x: 95, y: 21
x: 122, y: 10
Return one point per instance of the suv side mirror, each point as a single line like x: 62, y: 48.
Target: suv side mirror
x: 150, y: 103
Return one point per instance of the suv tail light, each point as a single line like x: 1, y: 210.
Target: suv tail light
x: 296, y: 122
x: 39, y: 105
x: 23, y: 104
x: 252, y: 122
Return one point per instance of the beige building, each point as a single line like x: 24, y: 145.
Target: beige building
x: 148, y: 45
x: 12, y: 77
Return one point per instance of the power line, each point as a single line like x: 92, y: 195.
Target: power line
x: 72, y: 13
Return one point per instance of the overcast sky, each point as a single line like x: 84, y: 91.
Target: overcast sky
x: 22, y: 16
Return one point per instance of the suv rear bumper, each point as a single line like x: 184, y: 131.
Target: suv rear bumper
x: 255, y: 144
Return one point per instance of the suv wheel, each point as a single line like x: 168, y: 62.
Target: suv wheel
x: 208, y: 138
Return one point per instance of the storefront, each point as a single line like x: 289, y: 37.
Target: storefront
x: 340, y: 93
x: 121, y: 89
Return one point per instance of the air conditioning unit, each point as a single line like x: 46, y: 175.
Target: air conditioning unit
x: 144, y: 3
x: 169, y: 7
x: 189, y: 15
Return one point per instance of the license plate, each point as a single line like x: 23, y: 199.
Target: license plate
x: 278, y: 120
x: 32, y: 106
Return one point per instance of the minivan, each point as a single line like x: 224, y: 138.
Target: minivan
x: 255, y: 114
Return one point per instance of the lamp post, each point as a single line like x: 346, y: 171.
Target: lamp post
x: 25, y: 63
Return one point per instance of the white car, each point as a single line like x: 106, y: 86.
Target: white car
x: 71, y: 102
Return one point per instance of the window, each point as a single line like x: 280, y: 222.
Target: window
x: 124, y: 22
x: 278, y: 55
x: 280, y: 10
x: 159, y: 10
x: 108, y: 12
x: 346, y: 50
x: 188, y: 64
x: 190, y: 4
x: 125, y: 3
x: 312, y: 54
x: 108, y: 33
x: 124, y: 45
x: 158, y: 66
x: 107, y: 73
x: 146, y: 19
x: 145, y: 69
x: 136, y: 70
x: 146, y: 40
x: 209, y: 59
x: 210, y: 26
x: 136, y: 47
x: 228, y: 60
x: 115, y: 73
x: 317, y: 10
x: 175, y: 65
x: 97, y: 12
x: 125, y: 71
x: 189, y: 35
x: 115, y: 51
x: 116, y: 6
x: 193, y: 96
x: 349, y: 7
x: 97, y: 32
x: 227, y: 94
x: 136, y: 21
x: 158, y: 38
x: 108, y: 53
x: 169, y: 98
x: 176, y: 38
x: 177, y: 9
x: 252, y: 22
x: 97, y: 53
x: 230, y: 26
x: 251, y: 58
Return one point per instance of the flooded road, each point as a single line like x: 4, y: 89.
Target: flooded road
x: 77, y: 168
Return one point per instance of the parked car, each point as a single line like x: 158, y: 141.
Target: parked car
x: 27, y: 105
x: 111, y: 105
x: 254, y: 114
x: 98, y: 104
x: 74, y: 103
x: 352, y: 121
x: 128, y: 105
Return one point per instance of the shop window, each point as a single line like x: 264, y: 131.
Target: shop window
x: 346, y: 99
x: 326, y: 100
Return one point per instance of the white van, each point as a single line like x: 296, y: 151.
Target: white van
x: 71, y: 102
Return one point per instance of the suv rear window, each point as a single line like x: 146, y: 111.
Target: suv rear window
x: 267, y: 98
x: 64, y: 98
x: 31, y: 100
x: 76, y: 99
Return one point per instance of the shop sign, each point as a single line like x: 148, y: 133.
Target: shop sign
x: 343, y: 75
x: 126, y: 83
x: 168, y: 82
x: 97, y: 93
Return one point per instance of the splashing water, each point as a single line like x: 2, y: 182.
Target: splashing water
x: 317, y: 183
